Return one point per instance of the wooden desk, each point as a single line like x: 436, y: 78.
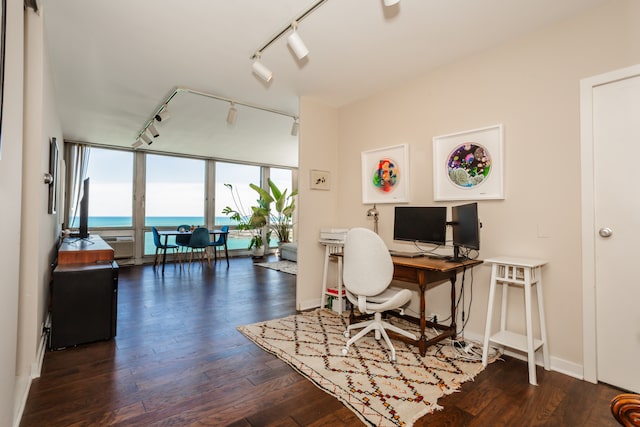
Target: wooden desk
x: 426, y: 273
x: 74, y: 250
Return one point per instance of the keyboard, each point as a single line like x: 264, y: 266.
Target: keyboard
x: 405, y: 254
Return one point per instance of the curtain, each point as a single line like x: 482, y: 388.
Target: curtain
x: 77, y: 160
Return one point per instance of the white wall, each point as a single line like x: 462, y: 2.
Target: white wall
x: 531, y: 86
x: 34, y: 229
x: 10, y: 200
x: 316, y: 208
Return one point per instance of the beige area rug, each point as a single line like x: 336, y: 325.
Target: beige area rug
x: 380, y: 392
x: 284, y: 266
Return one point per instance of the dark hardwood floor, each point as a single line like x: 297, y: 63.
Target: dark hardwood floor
x: 178, y: 360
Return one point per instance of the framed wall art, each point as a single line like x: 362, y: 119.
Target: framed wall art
x: 385, y: 175
x: 320, y: 180
x: 53, y: 172
x: 468, y: 165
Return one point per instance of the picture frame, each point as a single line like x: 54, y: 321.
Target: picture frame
x: 386, y: 175
x: 469, y: 165
x: 3, y: 31
x: 320, y: 180
x: 53, y: 171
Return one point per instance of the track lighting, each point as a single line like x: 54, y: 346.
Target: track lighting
x: 260, y: 70
x: 149, y: 130
x: 391, y: 2
x: 163, y: 116
x: 145, y: 137
x: 231, y: 115
x: 296, y: 43
x: 152, y: 129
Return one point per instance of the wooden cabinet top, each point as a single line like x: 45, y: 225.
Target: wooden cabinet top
x: 84, y: 251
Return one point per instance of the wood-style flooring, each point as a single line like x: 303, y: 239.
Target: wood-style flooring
x: 178, y: 360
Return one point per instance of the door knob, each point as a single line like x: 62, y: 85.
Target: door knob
x: 605, y: 232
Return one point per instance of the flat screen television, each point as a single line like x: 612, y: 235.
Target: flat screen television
x: 84, y: 211
x: 424, y: 224
x: 465, y: 228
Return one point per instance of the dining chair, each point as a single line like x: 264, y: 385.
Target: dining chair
x: 221, y: 242
x: 367, y: 274
x: 182, y: 240
x: 198, y: 243
x: 160, y: 247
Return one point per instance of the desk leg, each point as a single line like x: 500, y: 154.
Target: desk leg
x: 325, y: 271
x: 422, y: 341
x: 226, y: 252
x: 453, y: 327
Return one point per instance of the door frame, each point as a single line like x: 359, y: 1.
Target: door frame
x: 589, y: 338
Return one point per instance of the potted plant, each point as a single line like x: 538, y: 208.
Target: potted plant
x: 280, y: 217
x: 253, y: 221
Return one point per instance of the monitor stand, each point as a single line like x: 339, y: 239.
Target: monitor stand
x: 456, y: 255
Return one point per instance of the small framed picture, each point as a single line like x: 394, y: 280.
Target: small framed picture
x: 320, y: 180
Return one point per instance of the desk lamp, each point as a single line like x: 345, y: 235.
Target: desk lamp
x: 373, y: 212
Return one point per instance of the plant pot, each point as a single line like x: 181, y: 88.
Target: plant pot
x: 258, y: 252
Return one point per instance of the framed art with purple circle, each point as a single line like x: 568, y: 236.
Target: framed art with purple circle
x: 468, y: 165
x: 385, y: 175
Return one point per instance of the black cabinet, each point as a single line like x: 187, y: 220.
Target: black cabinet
x: 84, y: 300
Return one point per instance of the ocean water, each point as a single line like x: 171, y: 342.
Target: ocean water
x: 158, y: 221
x: 235, y: 241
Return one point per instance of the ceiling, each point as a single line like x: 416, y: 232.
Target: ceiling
x: 115, y: 62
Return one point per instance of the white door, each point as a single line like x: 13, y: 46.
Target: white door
x: 616, y: 168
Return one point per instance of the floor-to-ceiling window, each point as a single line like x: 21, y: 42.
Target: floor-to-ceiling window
x: 172, y: 191
x: 174, y: 194
x: 232, y: 190
x: 283, y: 179
x: 111, y: 199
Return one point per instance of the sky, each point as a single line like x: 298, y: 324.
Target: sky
x: 175, y: 185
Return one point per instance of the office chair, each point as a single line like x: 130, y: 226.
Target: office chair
x: 221, y: 242
x: 367, y: 274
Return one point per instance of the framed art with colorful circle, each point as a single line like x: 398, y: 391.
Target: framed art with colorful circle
x: 385, y: 175
x: 468, y: 165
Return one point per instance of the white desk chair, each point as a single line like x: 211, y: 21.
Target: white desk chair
x: 367, y: 274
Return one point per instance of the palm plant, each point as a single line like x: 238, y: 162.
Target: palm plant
x: 280, y: 218
x: 253, y: 220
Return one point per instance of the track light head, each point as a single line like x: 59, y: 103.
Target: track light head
x: 296, y: 43
x: 294, y: 127
x: 145, y: 137
x: 162, y: 116
x: 231, y: 115
x: 260, y: 70
x: 154, y: 132
x: 391, y: 2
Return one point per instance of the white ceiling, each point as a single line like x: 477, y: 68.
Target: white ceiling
x: 114, y: 62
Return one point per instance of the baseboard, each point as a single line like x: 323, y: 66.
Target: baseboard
x: 36, y: 369
x: 308, y: 305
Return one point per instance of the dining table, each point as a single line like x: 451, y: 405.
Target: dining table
x: 214, y: 232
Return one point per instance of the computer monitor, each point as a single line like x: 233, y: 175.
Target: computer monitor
x: 465, y: 227
x: 424, y: 224
x: 84, y: 210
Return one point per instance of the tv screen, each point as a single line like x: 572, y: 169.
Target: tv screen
x: 425, y: 224
x: 84, y: 210
x: 466, y: 226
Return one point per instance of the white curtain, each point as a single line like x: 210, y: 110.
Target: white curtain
x: 77, y: 160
